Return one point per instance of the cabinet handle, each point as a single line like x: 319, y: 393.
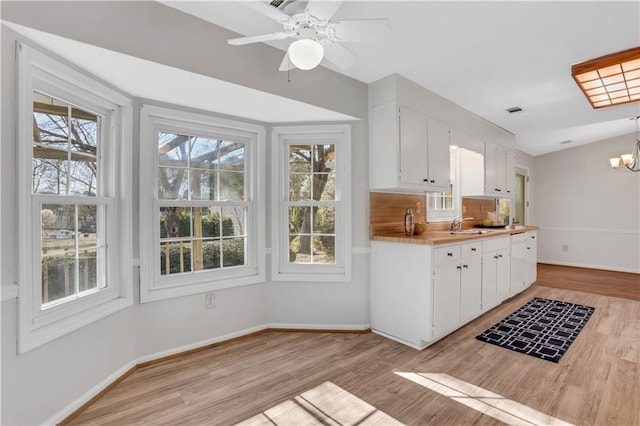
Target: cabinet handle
x: 497, y: 189
x: 528, y: 248
x: 458, y: 267
x: 533, y: 237
x: 473, y: 249
x: 465, y: 266
x: 450, y: 254
x: 495, y: 257
x: 432, y: 181
x: 425, y: 180
x: 499, y: 255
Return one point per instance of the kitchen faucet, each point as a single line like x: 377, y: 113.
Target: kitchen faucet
x: 456, y: 223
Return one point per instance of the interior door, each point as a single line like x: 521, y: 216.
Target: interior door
x: 521, y: 196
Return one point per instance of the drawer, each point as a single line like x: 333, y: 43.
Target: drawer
x: 519, y: 238
x: 494, y: 244
x: 446, y: 254
x: 471, y: 249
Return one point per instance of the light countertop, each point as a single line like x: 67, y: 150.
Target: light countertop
x: 444, y: 237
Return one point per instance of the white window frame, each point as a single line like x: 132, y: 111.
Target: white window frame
x: 153, y: 285
x: 281, y: 138
x: 37, y: 326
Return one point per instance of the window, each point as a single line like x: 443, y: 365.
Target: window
x: 73, y: 190
x: 311, y: 234
x: 201, y: 214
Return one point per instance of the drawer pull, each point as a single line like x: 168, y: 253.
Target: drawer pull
x: 473, y: 249
x: 450, y: 254
x: 459, y: 267
x: 465, y: 266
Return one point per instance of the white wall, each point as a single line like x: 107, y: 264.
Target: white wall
x: 33, y: 388
x: 584, y: 204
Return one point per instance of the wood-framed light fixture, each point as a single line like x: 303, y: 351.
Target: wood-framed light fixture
x: 610, y: 80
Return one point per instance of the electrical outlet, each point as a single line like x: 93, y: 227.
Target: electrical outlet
x: 210, y: 300
x: 565, y: 247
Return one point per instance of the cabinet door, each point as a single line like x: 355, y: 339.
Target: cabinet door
x: 518, y: 257
x: 501, y: 170
x: 438, y: 155
x: 490, y: 168
x: 531, y: 259
x: 446, y: 299
x: 503, y: 281
x: 489, y: 278
x: 471, y: 288
x: 510, y: 172
x: 413, y: 148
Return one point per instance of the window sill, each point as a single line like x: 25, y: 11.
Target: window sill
x: 207, y: 283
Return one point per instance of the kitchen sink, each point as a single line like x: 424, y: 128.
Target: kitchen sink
x: 469, y: 231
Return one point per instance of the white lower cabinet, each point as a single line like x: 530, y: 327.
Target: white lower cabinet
x: 496, y: 285
x: 524, y: 261
x: 531, y: 258
x: 420, y: 293
x: 471, y: 288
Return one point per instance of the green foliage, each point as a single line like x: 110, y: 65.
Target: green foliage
x: 233, y: 250
x: 54, y: 270
x: 210, y: 225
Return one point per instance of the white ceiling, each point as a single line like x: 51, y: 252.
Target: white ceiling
x: 486, y: 57
x: 150, y: 80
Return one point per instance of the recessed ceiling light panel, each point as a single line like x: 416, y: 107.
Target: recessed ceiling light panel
x: 610, y: 80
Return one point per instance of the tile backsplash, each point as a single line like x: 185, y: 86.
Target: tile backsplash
x: 387, y: 211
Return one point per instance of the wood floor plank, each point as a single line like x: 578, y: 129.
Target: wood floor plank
x: 595, y: 383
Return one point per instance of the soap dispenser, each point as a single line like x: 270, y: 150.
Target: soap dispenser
x: 409, y: 223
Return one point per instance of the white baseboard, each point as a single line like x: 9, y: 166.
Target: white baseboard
x: 338, y: 327
x: 582, y: 265
x: 196, y: 345
x: 71, y: 408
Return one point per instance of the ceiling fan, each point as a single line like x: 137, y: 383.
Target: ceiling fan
x: 316, y: 35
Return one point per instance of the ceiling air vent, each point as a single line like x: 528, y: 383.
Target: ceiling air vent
x: 280, y: 4
x: 514, y: 110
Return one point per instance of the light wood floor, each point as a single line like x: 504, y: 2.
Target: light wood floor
x: 322, y: 378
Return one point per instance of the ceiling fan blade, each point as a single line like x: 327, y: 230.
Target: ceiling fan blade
x: 322, y: 10
x: 286, y: 64
x: 359, y: 30
x: 339, y: 55
x: 269, y: 11
x: 258, y: 38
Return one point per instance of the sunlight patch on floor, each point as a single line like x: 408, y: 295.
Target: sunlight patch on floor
x: 326, y: 404
x: 482, y: 400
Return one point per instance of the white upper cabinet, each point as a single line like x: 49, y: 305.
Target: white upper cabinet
x: 499, y: 170
x: 489, y: 174
x: 409, y: 151
x: 410, y: 131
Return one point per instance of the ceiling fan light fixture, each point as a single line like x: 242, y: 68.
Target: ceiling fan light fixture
x: 306, y: 54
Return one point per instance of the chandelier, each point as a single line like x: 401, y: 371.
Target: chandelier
x: 630, y: 161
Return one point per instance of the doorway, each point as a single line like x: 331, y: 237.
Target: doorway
x: 521, y: 215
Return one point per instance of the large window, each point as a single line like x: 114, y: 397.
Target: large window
x: 311, y: 234
x: 73, y: 185
x: 200, y: 210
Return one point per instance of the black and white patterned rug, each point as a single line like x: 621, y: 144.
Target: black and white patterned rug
x: 542, y: 328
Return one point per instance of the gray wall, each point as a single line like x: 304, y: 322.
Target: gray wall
x: 46, y: 382
x: 584, y: 204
